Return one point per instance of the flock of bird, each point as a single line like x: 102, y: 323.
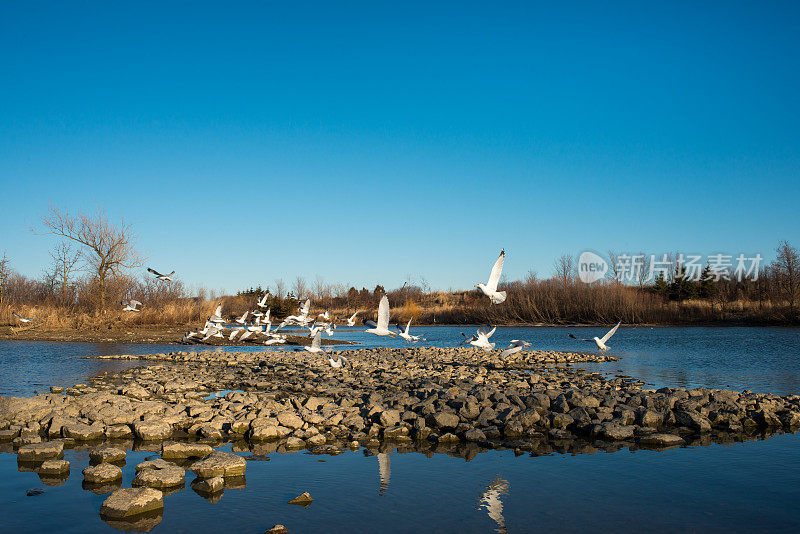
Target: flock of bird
x: 260, y: 326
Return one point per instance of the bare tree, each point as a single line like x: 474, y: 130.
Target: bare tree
x: 300, y: 287
x: 5, y: 272
x: 613, y: 264
x: 787, y: 268
x: 106, y: 249
x: 643, y: 274
x: 564, y: 269
x: 64, y: 262
x: 280, y: 288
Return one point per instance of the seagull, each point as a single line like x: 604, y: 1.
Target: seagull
x: 405, y: 334
x: 381, y: 328
x: 234, y: 333
x: 490, y: 288
x: 131, y: 305
x: 213, y: 331
x: 217, y: 317
x: 243, y: 318
x: 314, y: 329
x: 315, y: 344
x: 516, y: 346
x: 188, y: 335
x: 600, y: 342
x: 329, y: 328
x: 263, y: 302
x: 480, y: 339
x: 326, y: 315
x: 164, y: 277
x: 336, y: 364
x: 23, y: 319
x: 352, y: 320
x: 275, y: 340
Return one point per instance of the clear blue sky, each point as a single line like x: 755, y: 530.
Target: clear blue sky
x: 364, y: 142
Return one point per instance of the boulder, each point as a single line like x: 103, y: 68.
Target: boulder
x: 83, y: 432
x: 35, y: 452
x: 208, y: 485
x: 106, y: 455
x: 290, y: 420
x: 660, y: 440
x: 220, y: 463
x: 53, y: 467
x: 102, y: 474
x: 152, y: 430
x: 130, y: 502
x: 160, y: 477
x: 180, y: 451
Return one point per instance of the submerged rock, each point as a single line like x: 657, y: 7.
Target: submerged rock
x: 220, y: 463
x: 129, y: 502
x: 41, y: 451
x: 304, y: 499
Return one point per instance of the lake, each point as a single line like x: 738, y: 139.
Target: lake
x: 737, y: 487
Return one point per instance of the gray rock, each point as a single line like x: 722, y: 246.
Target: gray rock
x: 41, y: 451
x: 149, y: 431
x: 693, y: 420
x: 129, y: 502
x: 182, y: 450
x: 102, y: 474
x: 220, y: 463
x: 209, y: 485
x: 165, y: 477
x: 53, y: 467
x: 106, y: 455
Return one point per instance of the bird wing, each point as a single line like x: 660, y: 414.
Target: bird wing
x: 581, y: 339
x: 490, y: 332
x: 316, y: 341
x: 610, y: 333
x: 149, y: 270
x: 15, y: 314
x: 408, y: 326
x: 371, y: 323
x: 497, y: 270
x: 353, y: 317
x: 484, y: 329
x: 306, y: 307
x: 135, y: 302
x: 383, y: 313
x: 171, y: 274
x: 344, y: 360
x: 218, y: 311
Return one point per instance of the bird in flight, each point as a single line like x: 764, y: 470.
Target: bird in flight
x: 315, y: 346
x: 381, y: 328
x: 516, y: 346
x: 352, y: 320
x: 490, y: 288
x: 406, y: 334
x: 23, y: 319
x: 600, y: 341
x: 336, y: 364
x: 480, y: 339
x: 131, y: 305
x: 164, y: 277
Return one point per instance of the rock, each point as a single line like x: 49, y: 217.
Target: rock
x: 180, y: 451
x: 290, y: 420
x: 119, y: 432
x: 693, y: 420
x: 293, y: 442
x: 53, y: 467
x: 442, y: 420
x: 156, y: 463
x: 448, y: 437
x: 129, y: 502
x: 220, y: 463
x: 160, y: 477
x: 40, y: 451
x: 277, y: 529
x: 304, y: 499
x: 265, y: 433
x: 102, y: 474
x: 208, y: 485
x: 152, y: 430
x: 561, y: 420
x: 660, y: 440
x: 82, y: 432
x: 389, y: 418
x: 474, y: 434
x: 106, y: 455
x: 616, y: 432
x: 767, y: 418
x: 316, y: 440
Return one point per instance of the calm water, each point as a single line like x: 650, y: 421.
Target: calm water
x: 759, y: 359
x: 743, y: 487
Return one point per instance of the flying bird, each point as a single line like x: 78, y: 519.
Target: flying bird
x: 352, y: 320
x: 490, y: 288
x: 381, y: 328
x: 315, y: 344
x: 243, y: 318
x: 516, y: 346
x: 164, y: 277
x: 263, y: 302
x: 326, y: 315
x: 480, y: 339
x: 23, y: 319
x: 600, y: 341
x: 406, y: 334
x: 131, y: 305
x: 338, y: 363
x: 217, y: 317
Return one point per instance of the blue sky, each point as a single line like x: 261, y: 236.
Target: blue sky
x: 365, y: 142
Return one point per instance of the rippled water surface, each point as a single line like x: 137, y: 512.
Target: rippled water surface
x: 760, y: 359
x: 741, y: 487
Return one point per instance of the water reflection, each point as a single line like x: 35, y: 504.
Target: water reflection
x: 384, y: 471
x: 490, y: 500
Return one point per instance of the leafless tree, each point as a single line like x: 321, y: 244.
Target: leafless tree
x: 787, y: 269
x: 643, y: 274
x: 300, y: 287
x: 5, y: 272
x: 564, y: 270
x: 613, y: 267
x: 280, y: 288
x: 64, y: 263
x: 106, y: 249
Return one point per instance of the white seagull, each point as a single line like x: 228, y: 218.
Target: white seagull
x: 352, y: 320
x: 217, y: 317
x: 243, y: 318
x: 263, y: 302
x: 381, y: 328
x: 490, y: 288
x: 131, y: 305
x: 164, y: 277
x: 516, y: 346
x: 406, y: 334
x: 315, y: 344
x: 23, y: 319
x: 480, y: 339
x: 600, y: 341
x: 326, y: 315
x: 341, y: 361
